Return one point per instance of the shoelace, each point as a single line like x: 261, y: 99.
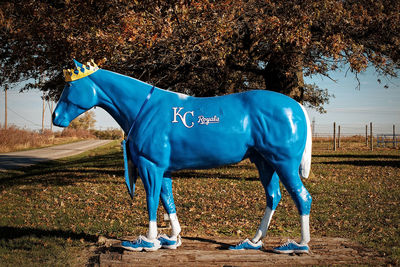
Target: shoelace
x: 139, y: 240
x: 162, y: 236
x: 287, y: 243
x: 242, y: 242
x: 166, y: 237
x: 248, y: 241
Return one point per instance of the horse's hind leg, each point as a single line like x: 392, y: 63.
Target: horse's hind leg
x: 167, y: 200
x: 270, y: 182
x: 288, y: 172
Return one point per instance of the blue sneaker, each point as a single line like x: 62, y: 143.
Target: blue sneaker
x: 169, y: 242
x: 141, y: 243
x: 247, y: 244
x: 292, y: 247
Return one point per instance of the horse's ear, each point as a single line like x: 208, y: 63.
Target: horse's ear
x: 77, y: 64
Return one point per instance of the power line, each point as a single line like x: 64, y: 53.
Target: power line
x: 22, y: 117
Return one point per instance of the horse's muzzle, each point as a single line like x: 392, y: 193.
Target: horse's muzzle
x: 59, y: 120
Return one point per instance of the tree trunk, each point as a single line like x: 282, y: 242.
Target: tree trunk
x: 287, y: 80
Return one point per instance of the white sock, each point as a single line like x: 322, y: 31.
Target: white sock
x: 176, y: 228
x: 305, y: 229
x: 262, y: 229
x: 152, y: 233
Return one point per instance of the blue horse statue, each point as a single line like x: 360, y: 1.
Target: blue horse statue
x: 168, y: 131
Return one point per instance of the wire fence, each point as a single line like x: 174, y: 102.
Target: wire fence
x: 348, y: 130
x: 356, y: 136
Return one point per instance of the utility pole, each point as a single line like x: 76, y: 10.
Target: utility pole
x: 5, y: 111
x: 44, y: 106
x: 51, y: 115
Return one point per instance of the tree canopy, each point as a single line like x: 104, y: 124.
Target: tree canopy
x: 203, y: 48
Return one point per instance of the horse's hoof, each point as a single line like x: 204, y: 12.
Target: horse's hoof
x: 169, y: 242
x: 142, y: 243
x: 291, y: 247
x: 247, y: 244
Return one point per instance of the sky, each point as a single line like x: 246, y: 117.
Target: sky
x: 351, y: 108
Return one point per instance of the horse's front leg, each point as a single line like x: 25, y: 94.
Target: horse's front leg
x: 152, y: 177
x: 167, y: 199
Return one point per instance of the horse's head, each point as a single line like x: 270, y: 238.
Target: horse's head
x: 78, y: 96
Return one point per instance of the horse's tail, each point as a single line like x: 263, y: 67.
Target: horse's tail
x: 305, y: 164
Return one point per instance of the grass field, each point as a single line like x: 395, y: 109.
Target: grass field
x: 53, y: 214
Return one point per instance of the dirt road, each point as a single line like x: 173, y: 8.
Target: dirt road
x: 14, y: 160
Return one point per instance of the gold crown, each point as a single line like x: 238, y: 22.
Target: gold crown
x: 80, y: 72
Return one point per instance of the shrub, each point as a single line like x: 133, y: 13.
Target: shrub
x: 113, y: 134
x: 14, y: 138
x: 77, y: 133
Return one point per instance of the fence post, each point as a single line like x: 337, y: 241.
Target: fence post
x: 338, y: 137
x: 394, y: 136
x: 334, y: 136
x: 5, y: 106
x: 366, y: 135
x: 313, y: 127
x: 371, y: 136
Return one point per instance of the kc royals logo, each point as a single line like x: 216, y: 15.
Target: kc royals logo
x: 182, y: 116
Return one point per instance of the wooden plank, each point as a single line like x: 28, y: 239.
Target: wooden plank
x: 213, y: 252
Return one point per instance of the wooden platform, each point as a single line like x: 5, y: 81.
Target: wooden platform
x: 196, y: 251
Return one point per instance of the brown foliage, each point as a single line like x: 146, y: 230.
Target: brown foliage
x: 72, y: 132
x: 110, y: 134
x: 13, y: 138
x: 203, y: 48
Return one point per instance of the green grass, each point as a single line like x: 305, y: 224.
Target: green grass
x: 53, y: 213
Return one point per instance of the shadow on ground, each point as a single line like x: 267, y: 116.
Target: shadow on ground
x: 359, y: 160
x: 8, y: 232
x: 61, y: 173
